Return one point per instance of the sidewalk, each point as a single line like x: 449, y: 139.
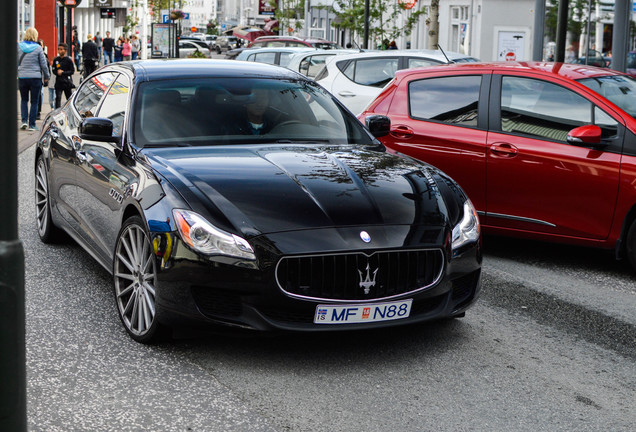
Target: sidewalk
x: 27, y: 138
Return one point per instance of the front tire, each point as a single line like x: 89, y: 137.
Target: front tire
x: 135, y: 282
x: 48, y: 232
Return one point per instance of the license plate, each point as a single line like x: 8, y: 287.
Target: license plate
x: 362, y: 313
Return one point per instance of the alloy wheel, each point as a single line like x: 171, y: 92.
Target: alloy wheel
x: 42, y: 199
x: 134, y: 274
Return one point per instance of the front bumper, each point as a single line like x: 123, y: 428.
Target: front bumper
x: 215, y: 292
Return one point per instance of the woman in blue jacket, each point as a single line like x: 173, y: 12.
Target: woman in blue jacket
x: 32, y: 70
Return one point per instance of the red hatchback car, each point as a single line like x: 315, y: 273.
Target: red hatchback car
x: 544, y: 150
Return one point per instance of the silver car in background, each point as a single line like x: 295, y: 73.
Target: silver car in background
x: 277, y: 55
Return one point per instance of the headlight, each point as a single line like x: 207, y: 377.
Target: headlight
x: 467, y: 230
x: 204, y: 237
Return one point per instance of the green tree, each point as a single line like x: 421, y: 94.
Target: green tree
x: 289, y: 14
x: 212, y: 27
x: 383, y: 18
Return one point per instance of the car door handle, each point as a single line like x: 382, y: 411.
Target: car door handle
x: 346, y: 93
x: 402, y: 132
x: 504, y: 150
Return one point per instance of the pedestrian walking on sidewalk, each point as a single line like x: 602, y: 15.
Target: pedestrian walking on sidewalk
x: 126, y: 49
x: 32, y: 70
x: 45, y: 83
x: 108, y: 44
x: 90, y: 55
x: 98, y: 41
x: 63, y: 70
x: 117, y: 50
x: 135, y: 47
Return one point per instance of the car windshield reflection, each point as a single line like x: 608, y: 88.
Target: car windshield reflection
x: 231, y: 111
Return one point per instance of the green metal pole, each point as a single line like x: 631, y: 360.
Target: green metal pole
x: 12, y: 313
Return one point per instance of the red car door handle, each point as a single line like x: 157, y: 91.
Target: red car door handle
x: 503, y: 150
x: 402, y: 132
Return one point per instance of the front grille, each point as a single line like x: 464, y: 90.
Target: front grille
x: 359, y: 277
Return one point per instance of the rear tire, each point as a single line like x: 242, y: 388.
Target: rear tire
x: 630, y: 244
x: 48, y: 232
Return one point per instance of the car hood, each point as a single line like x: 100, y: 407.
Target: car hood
x: 266, y: 189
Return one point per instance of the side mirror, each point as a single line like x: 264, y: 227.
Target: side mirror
x: 585, y: 136
x: 378, y: 125
x: 97, y: 129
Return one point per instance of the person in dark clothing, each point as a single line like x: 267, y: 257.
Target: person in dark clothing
x: 91, y: 56
x: 63, y: 70
x: 117, y: 50
x: 76, y: 49
x: 107, y: 44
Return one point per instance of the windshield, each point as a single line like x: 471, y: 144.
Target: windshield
x: 620, y: 89
x: 211, y: 111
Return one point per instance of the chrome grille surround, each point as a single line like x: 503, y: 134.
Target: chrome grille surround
x: 400, y: 272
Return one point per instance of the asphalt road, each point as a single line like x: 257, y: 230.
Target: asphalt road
x: 550, y: 346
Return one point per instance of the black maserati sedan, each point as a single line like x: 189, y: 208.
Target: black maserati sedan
x: 244, y: 194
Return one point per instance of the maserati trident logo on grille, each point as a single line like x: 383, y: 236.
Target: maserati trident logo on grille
x: 365, y: 281
x: 365, y: 236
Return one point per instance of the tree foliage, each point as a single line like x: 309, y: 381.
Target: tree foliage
x: 289, y: 14
x: 577, y: 18
x: 383, y: 18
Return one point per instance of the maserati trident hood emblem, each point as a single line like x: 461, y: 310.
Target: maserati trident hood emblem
x: 365, y: 281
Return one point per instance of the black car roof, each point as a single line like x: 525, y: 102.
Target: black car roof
x: 145, y: 70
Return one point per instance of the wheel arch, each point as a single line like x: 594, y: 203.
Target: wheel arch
x: 131, y: 210
x: 621, y: 247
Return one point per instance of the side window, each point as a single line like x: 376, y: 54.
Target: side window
x: 268, y: 57
x: 453, y: 100
x: 418, y: 62
x: 115, y: 103
x: 310, y: 66
x: 284, y: 58
x: 374, y: 72
x: 609, y: 126
x: 541, y: 109
x: 90, y: 93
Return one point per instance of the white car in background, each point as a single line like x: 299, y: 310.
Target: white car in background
x: 312, y: 62
x: 357, y: 79
x: 276, y: 55
x: 187, y: 47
